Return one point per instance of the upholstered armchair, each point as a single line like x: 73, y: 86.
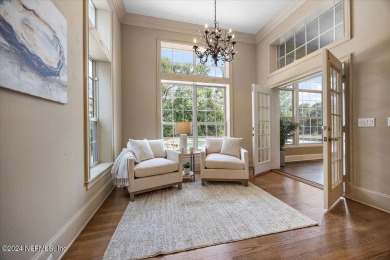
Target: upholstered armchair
x: 163, y: 170
x: 219, y: 162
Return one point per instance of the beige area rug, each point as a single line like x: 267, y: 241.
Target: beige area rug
x: 171, y: 220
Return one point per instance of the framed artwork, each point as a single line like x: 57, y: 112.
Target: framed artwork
x: 33, y: 49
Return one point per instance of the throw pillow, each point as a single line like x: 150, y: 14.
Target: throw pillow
x: 231, y: 146
x: 158, y: 148
x: 141, y: 149
x: 213, y: 145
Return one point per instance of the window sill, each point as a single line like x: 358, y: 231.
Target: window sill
x: 98, y: 172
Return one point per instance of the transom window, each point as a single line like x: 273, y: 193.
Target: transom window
x: 203, y: 104
x: 181, y: 59
x: 320, y: 32
x: 301, y: 102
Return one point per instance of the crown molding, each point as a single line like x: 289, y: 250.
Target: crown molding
x: 119, y: 8
x: 280, y: 17
x: 175, y: 26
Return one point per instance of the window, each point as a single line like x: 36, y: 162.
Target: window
x: 286, y: 96
x: 320, y: 32
x: 310, y: 111
x: 180, y: 59
x: 98, y: 90
x: 93, y: 113
x: 203, y: 103
x: 92, y: 13
x: 302, y: 102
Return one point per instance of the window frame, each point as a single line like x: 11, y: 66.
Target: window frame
x: 295, y: 115
x: 95, y: 114
x: 306, y: 41
x: 195, y: 110
x: 272, y: 45
x: 197, y: 80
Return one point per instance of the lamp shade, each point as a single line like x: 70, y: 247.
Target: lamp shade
x: 183, y: 127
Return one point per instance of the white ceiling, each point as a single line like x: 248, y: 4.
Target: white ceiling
x: 240, y: 15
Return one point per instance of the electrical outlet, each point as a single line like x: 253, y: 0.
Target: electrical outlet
x: 366, y: 122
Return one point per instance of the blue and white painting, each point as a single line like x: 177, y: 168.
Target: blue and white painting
x: 33, y: 49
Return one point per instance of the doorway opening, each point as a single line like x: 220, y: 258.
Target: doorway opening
x: 301, y: 121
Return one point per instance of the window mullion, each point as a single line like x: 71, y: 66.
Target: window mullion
x: 195, y: 116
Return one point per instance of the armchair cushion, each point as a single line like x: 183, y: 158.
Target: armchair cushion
x: 231, y: 146
x: 223, y: 161
x: 213, y: 145
x: 155, y: 166
x: 158, y: 148
x: 141, y: 149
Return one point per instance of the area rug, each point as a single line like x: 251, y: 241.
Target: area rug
x: 171, y: 220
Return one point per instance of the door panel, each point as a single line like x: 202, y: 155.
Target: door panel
x: 333, y: 122
x: 261, y: 127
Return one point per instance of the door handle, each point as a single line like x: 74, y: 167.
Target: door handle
x: 333, y: 139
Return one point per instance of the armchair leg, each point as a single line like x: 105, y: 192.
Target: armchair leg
x: 132, y: 197
x: 180, y: 185
x: 246, y: 182
x: 203, y: 183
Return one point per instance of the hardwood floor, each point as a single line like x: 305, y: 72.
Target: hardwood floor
x: 311, y: 171
x: 349, y: 230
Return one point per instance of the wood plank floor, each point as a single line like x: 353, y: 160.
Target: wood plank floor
x: 308, y: 170
x: 349, y: 230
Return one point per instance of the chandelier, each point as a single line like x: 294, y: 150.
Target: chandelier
x: 220, y: 45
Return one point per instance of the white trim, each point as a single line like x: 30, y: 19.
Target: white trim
x: 278, y: 19
x: 98, y: 172
x: 304, y: 157
x: 77, y: 222
x: 368, y: 197
x: 175, y: 26
x: 119, y: 8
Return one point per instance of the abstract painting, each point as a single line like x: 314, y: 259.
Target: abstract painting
x: 33, y: 49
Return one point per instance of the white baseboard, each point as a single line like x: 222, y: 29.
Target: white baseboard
x: 368, y: 197
x: 71, y: 230
x: 304, y: 157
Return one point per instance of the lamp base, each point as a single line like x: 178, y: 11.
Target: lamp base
x: 183, y: 143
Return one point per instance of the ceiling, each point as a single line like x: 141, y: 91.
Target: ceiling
x: 247, y: 16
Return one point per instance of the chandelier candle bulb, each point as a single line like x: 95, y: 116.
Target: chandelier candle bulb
x: 194, y: 40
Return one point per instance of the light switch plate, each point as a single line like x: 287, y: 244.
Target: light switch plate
x: 366, y: 122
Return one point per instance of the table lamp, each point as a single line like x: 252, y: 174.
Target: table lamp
x: 183, y: 128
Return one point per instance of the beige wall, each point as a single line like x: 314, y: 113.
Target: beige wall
x: 370, y: 76
x: 139, y: 77
x: 42, y: 157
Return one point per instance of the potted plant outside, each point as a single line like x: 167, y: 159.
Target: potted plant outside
x: 287, y: 129
x: 186, y: 167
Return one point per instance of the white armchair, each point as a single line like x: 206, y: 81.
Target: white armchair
x: 156, y: 173
x: 215, y: 166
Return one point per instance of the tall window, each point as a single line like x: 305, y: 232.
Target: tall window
x: 301, y: 102
x: 286, y: 96
x: 93, y: 113
x: 320, y: 32
x: 203, y: 104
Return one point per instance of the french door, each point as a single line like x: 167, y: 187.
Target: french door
x: 261, y: 128
x: 332, y: 129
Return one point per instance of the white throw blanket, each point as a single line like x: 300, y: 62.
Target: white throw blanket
x: 120, y: 169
